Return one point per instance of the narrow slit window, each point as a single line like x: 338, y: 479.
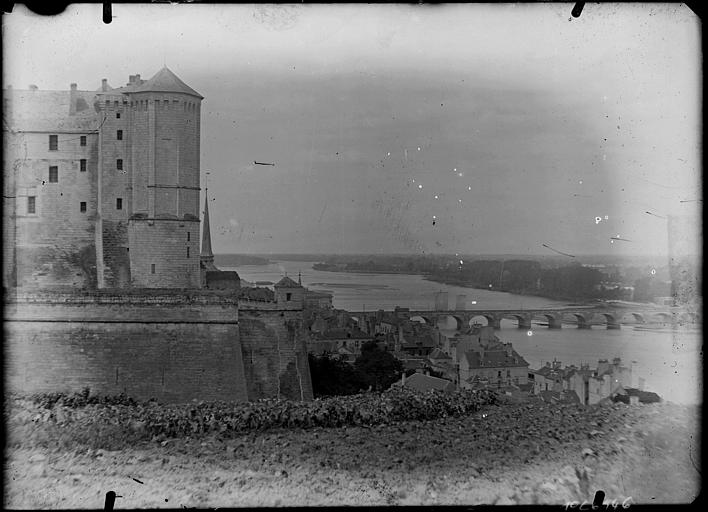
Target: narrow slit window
x: 187, y: 236
x: 31, y: 204
x: 53, y: 142
x: 119, y: 135
x: 53, y: 174
x: 152, y: 268
x: 119, y: 203
x: 82, y: 206
x: 82, y: 141
x: 82, y: 165
x: 119, y: 164
x: 187, y: 252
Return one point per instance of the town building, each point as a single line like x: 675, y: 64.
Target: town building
x: 591, y: 386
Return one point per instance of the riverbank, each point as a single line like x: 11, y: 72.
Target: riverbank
x: 511, y: 453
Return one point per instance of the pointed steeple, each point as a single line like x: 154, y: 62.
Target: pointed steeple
x: 206, y: 256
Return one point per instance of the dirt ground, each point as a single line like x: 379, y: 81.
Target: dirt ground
x: 506, y: 454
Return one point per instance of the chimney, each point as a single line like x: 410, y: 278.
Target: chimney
x: 137, y: 80
x: 131, y: 79
x: 104, y: 84
x: 72, y: 99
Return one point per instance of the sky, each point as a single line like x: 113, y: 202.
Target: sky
x: 465, y: 128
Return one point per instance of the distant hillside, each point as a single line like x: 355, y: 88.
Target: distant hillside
x: 236, y: 260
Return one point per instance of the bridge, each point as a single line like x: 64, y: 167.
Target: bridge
x: 584, y: 316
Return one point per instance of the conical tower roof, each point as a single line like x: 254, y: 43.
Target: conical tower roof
x: 206, y: 255
x: 166, y: 81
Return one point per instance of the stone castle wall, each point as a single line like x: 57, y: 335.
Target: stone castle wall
x: 55, y: 244
x: 172, y: 246
x: 172, y: 348
x: 274, y: 352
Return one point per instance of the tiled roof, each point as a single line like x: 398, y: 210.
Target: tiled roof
x: 48, y: 111
x: 495, y: 359
x: 342, y: 333
x: 438, y: 354
x: 421, y: 382
x: 256, y: 293
x: 165, y: 81
x: 286, y: 282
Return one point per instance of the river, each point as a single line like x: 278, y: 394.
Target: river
x: 670, y: 361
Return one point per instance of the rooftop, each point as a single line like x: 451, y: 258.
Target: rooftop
x: 163, y: 81
x: 421, y: 382
x: 286, y: 282
x: 495, y: 359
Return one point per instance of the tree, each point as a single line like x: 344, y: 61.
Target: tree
x: 378, y: 368
x: 331, y: 376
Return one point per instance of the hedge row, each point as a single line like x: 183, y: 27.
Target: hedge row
x: 394, y: 405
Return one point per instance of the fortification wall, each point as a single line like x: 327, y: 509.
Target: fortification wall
x: 274, y: 352
x: 174, y: 348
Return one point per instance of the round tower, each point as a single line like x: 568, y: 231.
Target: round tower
x: 163, y: 228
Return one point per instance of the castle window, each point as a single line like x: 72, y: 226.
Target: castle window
x: 117, y: 114
x: 119, y: 203
x: 187, y: 236
x: 187, y: 252
x: 82, y: 165
x: 31, y: 204
x: 288, y: 296
x: 119, y: 164
x: 119, y: 135
x: 82, y: 206
x: 82, y: 140
x: 152, y: 268
x: 53, y: 174
x: 53, y: 142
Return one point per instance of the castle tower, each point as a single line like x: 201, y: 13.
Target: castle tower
x: 289, y: 294
x: 163, y: 139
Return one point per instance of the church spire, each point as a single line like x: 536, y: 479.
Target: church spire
x: 207, y: 257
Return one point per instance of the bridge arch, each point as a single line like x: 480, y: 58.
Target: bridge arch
x: 612, y: 319
x: 632, y: 317
x: 553, y: 321
x: 662, y: 316
x: 523, y: 321
x: 489, y: 319
x: 423, y: 319
x: 583, y: 320
x: 448, y: 321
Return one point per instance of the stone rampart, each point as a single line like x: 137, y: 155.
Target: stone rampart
x: 174, y: 348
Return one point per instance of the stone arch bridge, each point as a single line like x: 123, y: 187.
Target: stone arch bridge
x: 584, y: 317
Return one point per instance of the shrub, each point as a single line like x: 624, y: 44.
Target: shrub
x: 107, y: 420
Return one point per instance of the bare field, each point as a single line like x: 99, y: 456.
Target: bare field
x: 511, y: 453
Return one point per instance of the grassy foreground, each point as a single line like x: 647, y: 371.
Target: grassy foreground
x: 496, y: 452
